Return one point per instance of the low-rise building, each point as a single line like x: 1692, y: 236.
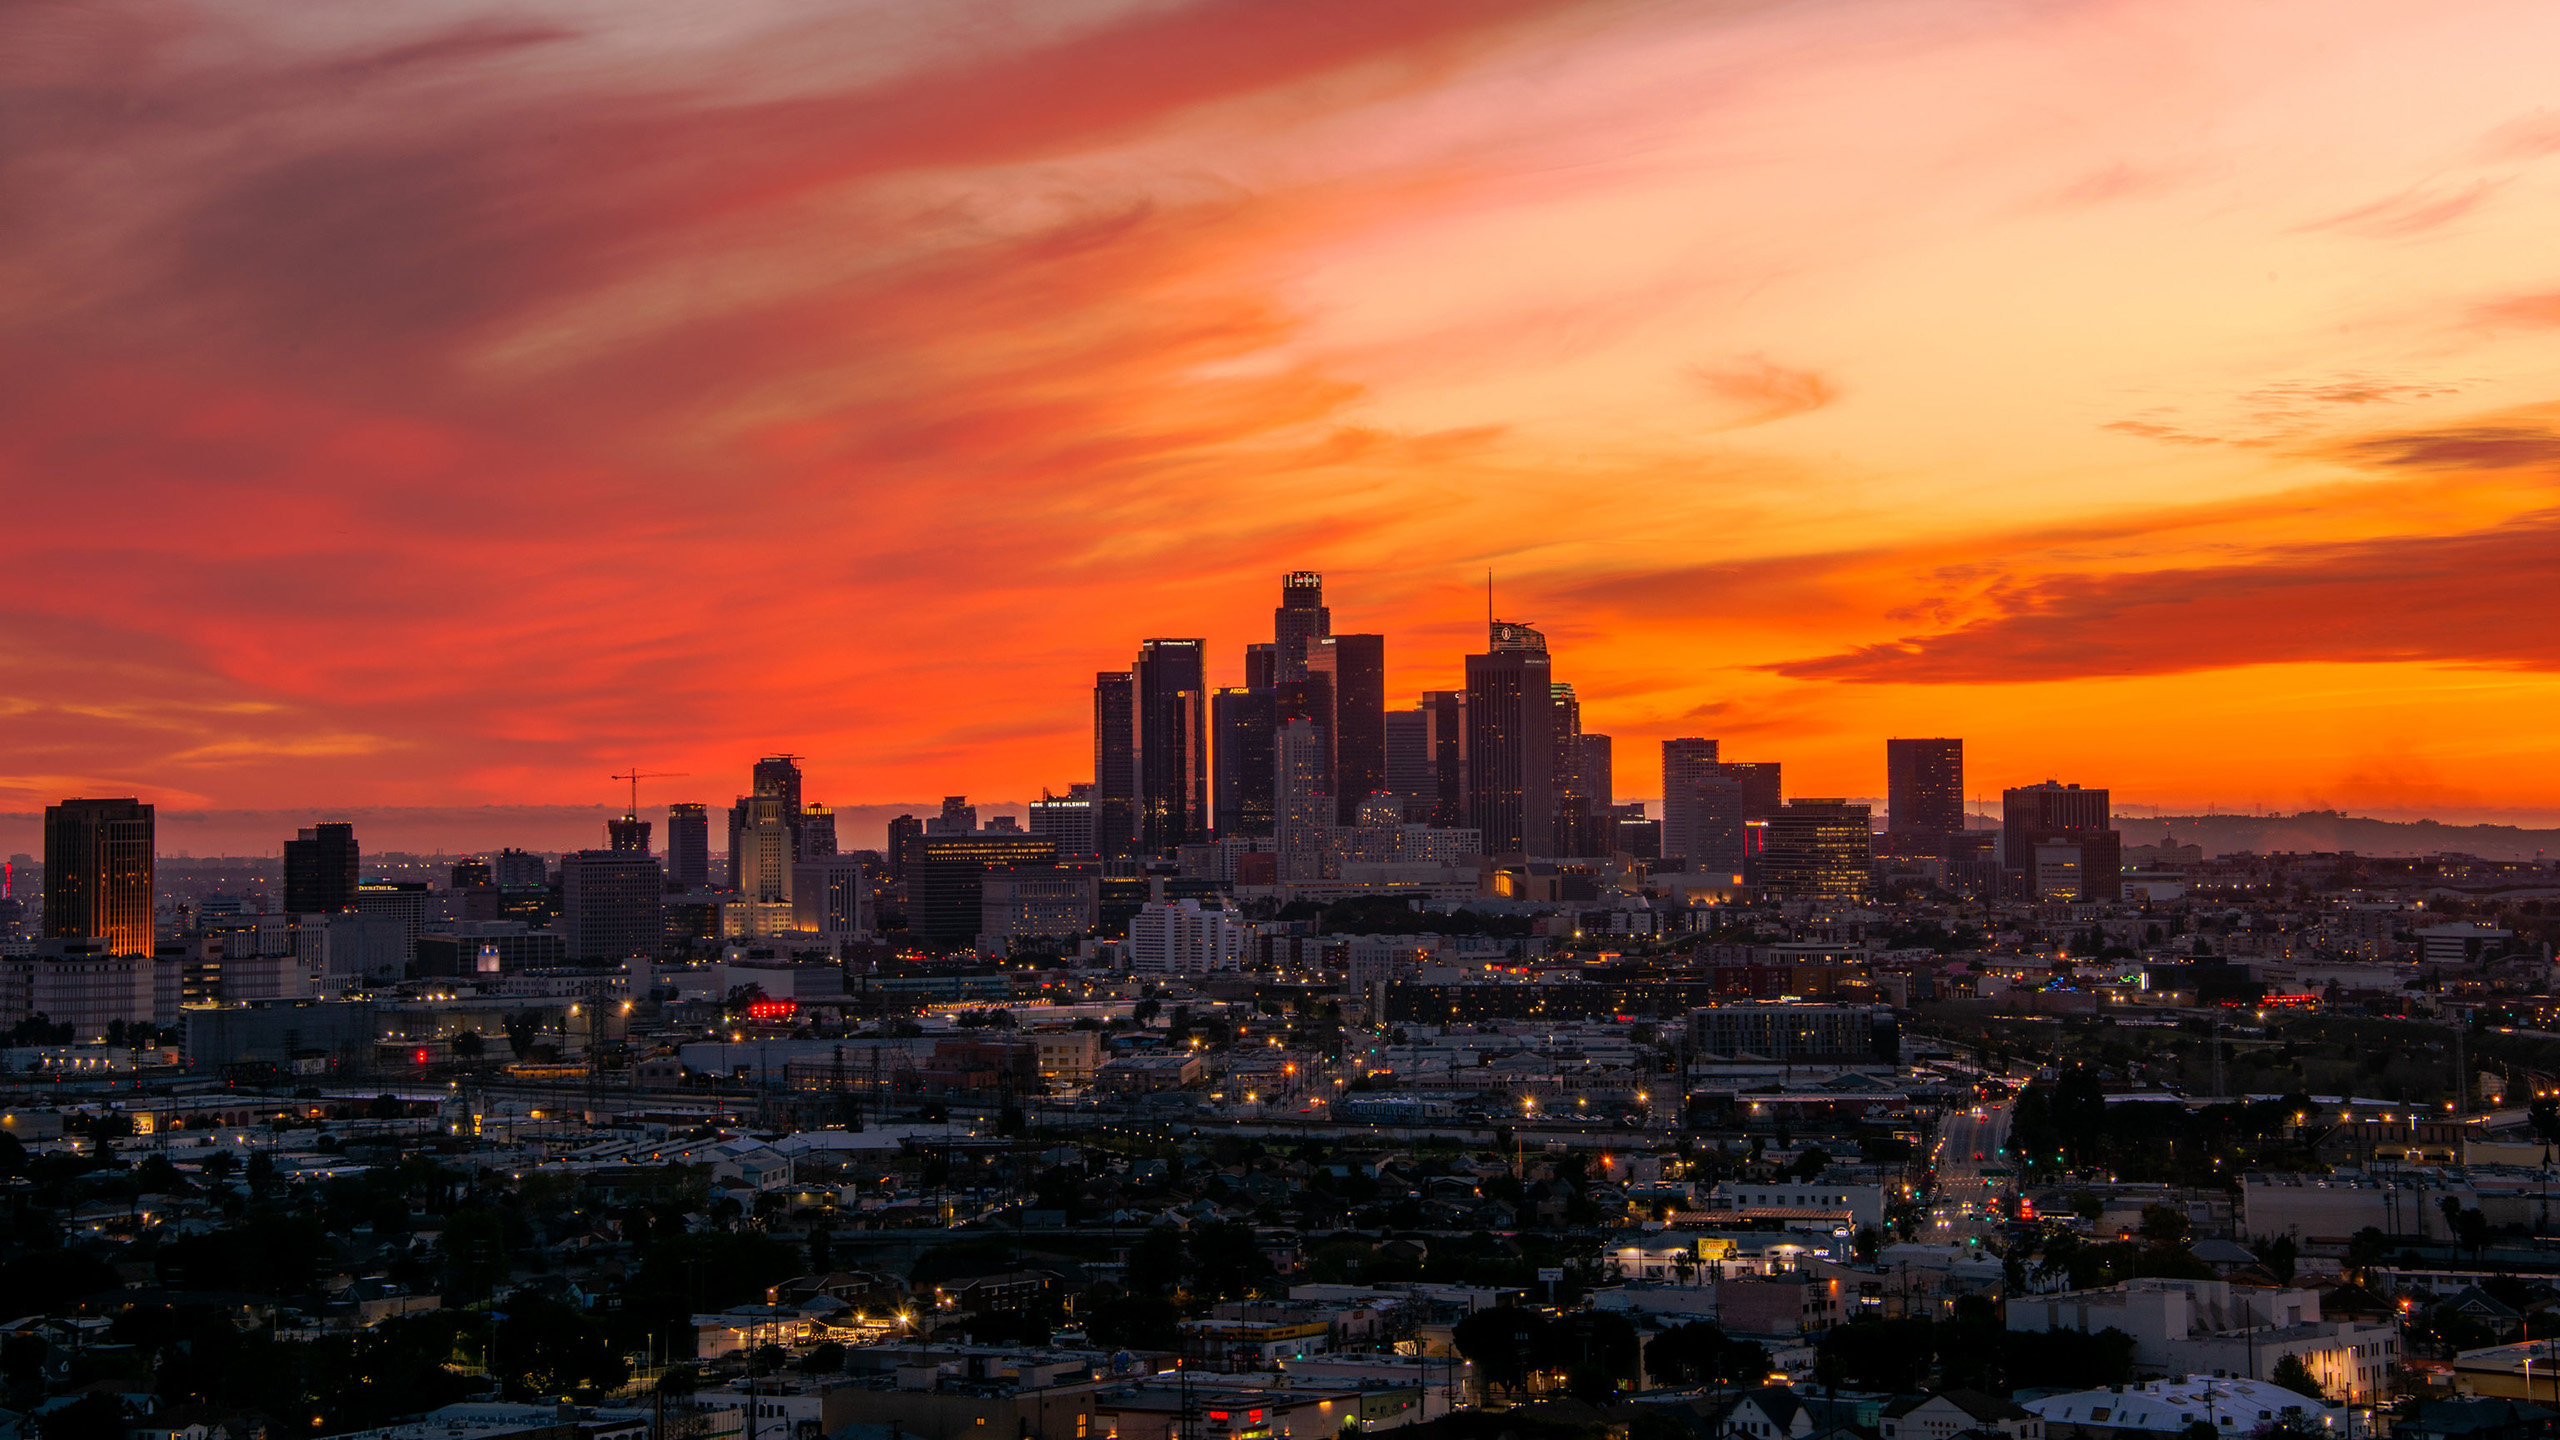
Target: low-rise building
x: 2214, y: 1327
x: 1068, y: 1056
x: 1822, y: 1204
x: 2169, y: 1407
x: 1147, y: 1074
x: 1955, y: 1412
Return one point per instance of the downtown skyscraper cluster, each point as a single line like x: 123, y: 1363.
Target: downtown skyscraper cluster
x: 1309, y: 741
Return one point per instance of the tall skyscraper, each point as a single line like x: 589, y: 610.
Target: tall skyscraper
x: 689, y: 846
x: 1301, y: 805
x: 1261, y: 666
x: 1242, y: 722
x: 1716, y: 826
x: 2030, y: 810
x: 946, y: 876
x: 1066, y: 820
x: 1573, y: 800
x: 1818, y: 850
x: 1599, y: 771
x: 831, y: 896
x: 905, y: 833
x: 515, y: 869
x: 1445, y: 712
x: 1301, y: 619
x: 1357, y: 667
x: 775, y: 791
x: 1115, y: 762
x: 1173, y: 743
x: 1311, y: 700
x: 320, y: 867
x: 1685, y: 762
x: 609, y: 905
x: 1511, y: 743
x: 762, y: 851
x: 779, y: 775
x: 628, y: 834
x: 404, y: 904
x: 2060, y: 842
x: 817, y: 831
x: 98, y: 868
x: 1924, y: 790
x: 1762, y: 793
x: 1410, y: 776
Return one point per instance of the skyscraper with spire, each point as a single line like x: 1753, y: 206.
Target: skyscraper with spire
x: 1511, y: 742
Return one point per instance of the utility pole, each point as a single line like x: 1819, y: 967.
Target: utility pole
x: 2461, y: 1072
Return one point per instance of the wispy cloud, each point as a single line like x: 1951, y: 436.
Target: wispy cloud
x: 1755, y: 390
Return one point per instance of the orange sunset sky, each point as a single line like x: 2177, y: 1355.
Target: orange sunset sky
x: 422, y: 405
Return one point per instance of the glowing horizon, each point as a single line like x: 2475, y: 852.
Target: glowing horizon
x: 2159, y: 396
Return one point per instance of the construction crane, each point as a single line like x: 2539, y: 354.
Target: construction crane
x: 635, y: 775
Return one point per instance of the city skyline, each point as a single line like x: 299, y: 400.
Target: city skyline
x: 1233, y: 719
x: 2081, y: 382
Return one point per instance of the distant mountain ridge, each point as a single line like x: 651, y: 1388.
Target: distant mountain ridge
x: 2316, y: 830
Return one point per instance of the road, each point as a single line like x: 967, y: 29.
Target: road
x: 1965, y: 1206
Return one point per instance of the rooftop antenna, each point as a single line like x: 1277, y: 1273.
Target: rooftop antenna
x: 1488, y: 599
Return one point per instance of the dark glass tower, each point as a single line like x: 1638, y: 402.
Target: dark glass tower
x: 1173, y: 743
x: 1924, y: 790
x: 688, y: 847
x: 1242, y: 722
x: 1714, y: 840
x: 1511, y: 743
x: 1686, y: 760
x: 1763, y: 794
x: 1115, y: 763
x: 320, y: 868
x: 1599, y: 771
x: 1357, y: 734
x: 1261, y: 666
x: 906, y: 832
x: 2027, y: 811
x: 1445, y: 712
x: 2038, y: 820
x: 817, y: 831
x: 98, y: 857
x: 1409, y: 774
x: 1573, y: 798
